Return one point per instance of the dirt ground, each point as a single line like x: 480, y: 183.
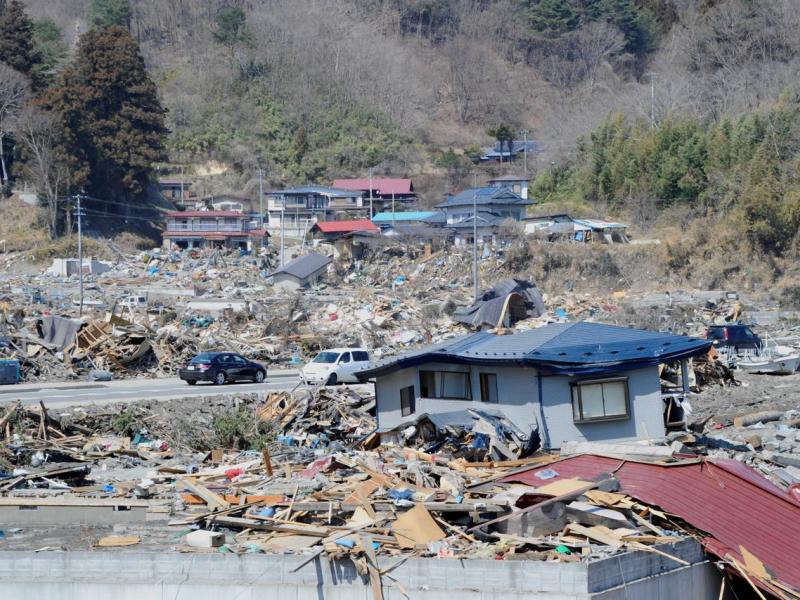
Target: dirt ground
x: 756, y: 393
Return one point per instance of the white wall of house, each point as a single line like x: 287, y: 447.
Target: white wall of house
x: 290, y: 283
x: 518, y: 395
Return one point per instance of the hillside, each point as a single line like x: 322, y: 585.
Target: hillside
x: 677, y: 115
x: 317, y: 88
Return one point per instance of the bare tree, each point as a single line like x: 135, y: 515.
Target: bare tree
x: 13, y: 91
x: 38, y: 132
x: 594, y: 44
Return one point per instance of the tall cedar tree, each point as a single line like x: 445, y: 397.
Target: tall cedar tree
x: 112, y: 120
x: 17, y: 49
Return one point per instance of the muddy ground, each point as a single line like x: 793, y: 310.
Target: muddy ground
x: 755, y: 393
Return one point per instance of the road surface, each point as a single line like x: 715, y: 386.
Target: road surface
x: 128, y: 390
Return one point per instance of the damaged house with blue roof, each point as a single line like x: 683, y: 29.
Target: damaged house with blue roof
x: 561, y: 382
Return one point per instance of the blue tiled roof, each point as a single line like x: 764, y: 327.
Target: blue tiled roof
x: 315, y: 189
x: 485, y: 196
x: 388, y: 217
x: 575, y: 348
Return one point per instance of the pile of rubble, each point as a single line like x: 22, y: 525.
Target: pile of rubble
x: 305, y: 472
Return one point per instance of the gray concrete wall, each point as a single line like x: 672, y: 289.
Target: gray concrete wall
x: 286, y: 282
x: 125, y: 575
x: 518, y: 393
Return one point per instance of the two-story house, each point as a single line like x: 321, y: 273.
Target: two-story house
x: 297, y: 209
x: 218, y: 228
x: 489, y: 205
x: 383, y: 192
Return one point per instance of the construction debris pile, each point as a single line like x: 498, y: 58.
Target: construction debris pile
x: 305, y: 473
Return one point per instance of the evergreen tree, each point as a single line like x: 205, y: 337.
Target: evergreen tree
x: 17, y: 49
x: 552, y: 17
x: 51, y: 47
x: 109, y: 13
x: 231, y: 27
x: 112, y: 121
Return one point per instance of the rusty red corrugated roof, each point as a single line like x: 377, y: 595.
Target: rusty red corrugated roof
x: 346, y: 226
x: 729, y: 501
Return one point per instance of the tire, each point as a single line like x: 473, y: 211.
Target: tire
x: 191, y: 382
x: 259, y: 377
x: 220, y: 378
x: 332, y: 379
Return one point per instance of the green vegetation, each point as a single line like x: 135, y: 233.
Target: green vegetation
x: 51, y: 48
x: 744, y: 171
x: 112, y: 123
x: 17, y: 48
x: 110, y: 13
x: 554, y: 18
x: 242, y: 429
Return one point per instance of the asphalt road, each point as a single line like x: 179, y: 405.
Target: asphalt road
x: 129, y: 390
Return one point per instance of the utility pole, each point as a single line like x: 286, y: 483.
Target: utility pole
x: 370, y: 195
x: 652, y: 97
x: 182, y: 202
x: 525, y: 133
x: 392, y: 209
x: 79, y: 215
x: 283, y: 214
x: 261, y: 196
x: 475, y: 243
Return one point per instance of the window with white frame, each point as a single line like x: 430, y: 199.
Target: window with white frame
x: 600, y: 400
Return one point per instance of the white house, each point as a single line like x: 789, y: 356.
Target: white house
x: 570, y: 381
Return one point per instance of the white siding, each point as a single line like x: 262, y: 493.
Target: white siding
x: 518, y: 394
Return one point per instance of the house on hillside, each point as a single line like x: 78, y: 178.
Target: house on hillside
x: 384, y: 191
x: 179, y: 191
x: 231, y: 202
x: 213, y: 228
x: 297, y: 209
x: 566, y: 381
x: 494, y: 205
x: 302, y: 272
x: 516, y: 183
x: 563, y: 226
x: 510, y: 152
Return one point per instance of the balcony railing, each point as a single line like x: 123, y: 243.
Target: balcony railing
x: 206, y: 227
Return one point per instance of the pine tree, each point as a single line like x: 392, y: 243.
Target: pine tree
x: 112, y: 121
x: 108, y: 13
x: 17, y: 49
x: 551, y: 17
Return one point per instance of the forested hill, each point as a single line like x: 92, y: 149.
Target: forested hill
x: 643, y: 107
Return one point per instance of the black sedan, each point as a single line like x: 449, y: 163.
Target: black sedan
x: 220, y: 368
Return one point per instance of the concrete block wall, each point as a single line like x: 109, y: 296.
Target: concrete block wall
x: 130, y: 575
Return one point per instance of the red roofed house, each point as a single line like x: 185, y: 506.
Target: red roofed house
x: 340, y: 234
x: 382, y: 190
x: 217, y: 228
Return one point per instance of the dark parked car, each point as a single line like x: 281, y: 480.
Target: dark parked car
x: 221, y: 367
x: 738, y: 337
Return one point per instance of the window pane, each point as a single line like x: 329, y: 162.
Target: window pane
x: 576, y: 408
x: 592, y: 399
x: 407, y: 404
x: 614, y: 398
x: 427, y: 387
x: 346, y: 357
x: 454, y: 385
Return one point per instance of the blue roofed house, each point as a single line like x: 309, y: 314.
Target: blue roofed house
x: 568, y: 381
x: 504, y: 153
x: 494, y: 205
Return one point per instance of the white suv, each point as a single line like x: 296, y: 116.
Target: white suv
x: 336, y: 365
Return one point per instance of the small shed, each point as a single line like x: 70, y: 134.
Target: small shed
x: 302, y: 272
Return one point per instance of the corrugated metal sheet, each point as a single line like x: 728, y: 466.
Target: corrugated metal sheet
x: 346, y: 226
x: 727, y: 500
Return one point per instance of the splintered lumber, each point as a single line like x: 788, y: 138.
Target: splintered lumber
x: 598, y: 533
x: 298, y: 528
x: 115, y: 541
x: 212, y: 499
x: 372, y: 565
